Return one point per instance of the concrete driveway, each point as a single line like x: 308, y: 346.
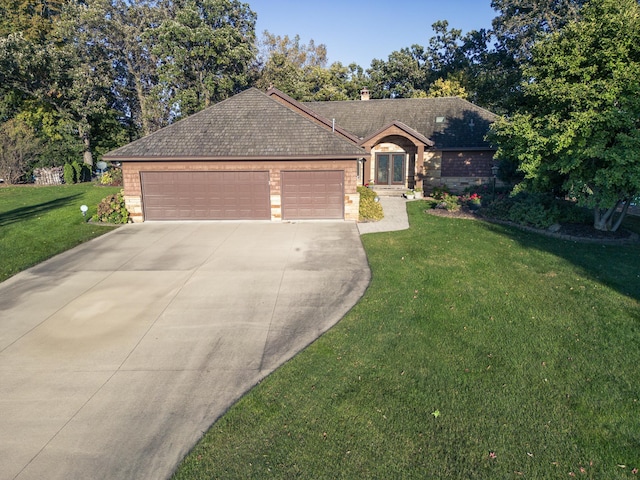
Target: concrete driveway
x: 116, y: 356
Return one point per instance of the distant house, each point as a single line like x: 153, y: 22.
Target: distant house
x: 258, y: 156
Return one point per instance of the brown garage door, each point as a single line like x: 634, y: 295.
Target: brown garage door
x: 313, y: 195
x: 205, y: 195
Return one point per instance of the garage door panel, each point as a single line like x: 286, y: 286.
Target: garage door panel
x: 313, y: 195
x: 206, y: 195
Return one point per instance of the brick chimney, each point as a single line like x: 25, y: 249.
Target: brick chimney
x: 364, y: 94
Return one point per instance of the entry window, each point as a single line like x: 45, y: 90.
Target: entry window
x: 390, y: 168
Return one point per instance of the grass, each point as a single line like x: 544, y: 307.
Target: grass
x: 478, y: 351
x: 37, y: 223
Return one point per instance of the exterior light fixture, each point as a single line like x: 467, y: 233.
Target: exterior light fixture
x: 494, y: 172
x: 83, y: 209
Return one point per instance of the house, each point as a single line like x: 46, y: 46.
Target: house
x: 424, y: 142
x: 265, y: 156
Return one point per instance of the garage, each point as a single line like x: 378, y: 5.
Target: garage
x: 312, y: 195
x: 205, y: 195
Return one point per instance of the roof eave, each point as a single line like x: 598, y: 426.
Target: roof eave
x: 243, y: 158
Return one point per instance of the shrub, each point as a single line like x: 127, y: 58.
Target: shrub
x: 369, y: 208
x: 112, y: 177
x: 536, y: 210
x: 449, y: 202
x: 112, y: 209
x: 69, y: 174
x: 77, y: 171
x: 439, y: 192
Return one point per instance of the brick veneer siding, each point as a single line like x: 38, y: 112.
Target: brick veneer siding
x: 133, y: 189
x: 457, y: 170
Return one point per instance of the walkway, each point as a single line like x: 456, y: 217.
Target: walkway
x: 395, y: 217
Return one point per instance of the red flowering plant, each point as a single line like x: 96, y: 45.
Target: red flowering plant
x: 473, y: 200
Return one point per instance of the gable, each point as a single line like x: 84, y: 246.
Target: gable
x: 248, y: 125
x: 464, y: 124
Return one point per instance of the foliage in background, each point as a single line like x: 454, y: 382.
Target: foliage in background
x: 112, y: 209
x: 578, y: 133
x: 113, y: 177
x: 370, y: 209
x: 19, y: 148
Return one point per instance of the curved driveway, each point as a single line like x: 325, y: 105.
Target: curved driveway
x: 117, y: 355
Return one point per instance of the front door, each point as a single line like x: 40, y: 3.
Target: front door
x: 390, y: 168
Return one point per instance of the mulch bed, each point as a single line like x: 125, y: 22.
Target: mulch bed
x: 575, y: 232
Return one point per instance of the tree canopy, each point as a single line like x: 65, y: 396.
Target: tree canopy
x: 578, y: 132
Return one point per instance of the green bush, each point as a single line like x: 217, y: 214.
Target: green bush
x: 440, y: 192
x: 69, y: 174
x: 112, y: 177
x: 449, y: 202
x: 112, y: 209
x: 370, y: 209
x: 536, y: 210
x: 77, y: 170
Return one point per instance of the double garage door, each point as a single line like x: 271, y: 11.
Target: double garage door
x: 242, y: 195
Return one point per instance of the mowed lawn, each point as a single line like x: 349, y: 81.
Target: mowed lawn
x: 37, y: 223
x: 479, y: 351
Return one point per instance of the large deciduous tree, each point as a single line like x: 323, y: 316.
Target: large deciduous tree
x: 580, y: 130
x: 205, y: 49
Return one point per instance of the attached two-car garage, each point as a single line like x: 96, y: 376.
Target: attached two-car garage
x: 241, y: 195
x: 249, y: 157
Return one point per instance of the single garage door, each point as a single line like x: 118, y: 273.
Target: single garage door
x: 310, y: 195
x: 205, y: 195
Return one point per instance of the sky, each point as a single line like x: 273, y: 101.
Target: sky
x: 359, y: 31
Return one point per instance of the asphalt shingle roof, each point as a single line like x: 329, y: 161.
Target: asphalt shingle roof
x: 464, y: 125
x: 247, y: 125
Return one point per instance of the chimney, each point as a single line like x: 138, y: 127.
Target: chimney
x: 364, y: 94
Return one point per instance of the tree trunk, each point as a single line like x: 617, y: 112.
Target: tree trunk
x: 606, y: 221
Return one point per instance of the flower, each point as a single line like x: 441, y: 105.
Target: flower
x: 492, y: 455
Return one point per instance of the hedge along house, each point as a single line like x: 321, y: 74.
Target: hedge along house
x: 246, y: 158
x: 417, y: 142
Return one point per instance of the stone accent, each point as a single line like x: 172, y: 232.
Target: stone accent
x: 276, y: 207
x: 352, y: 207
x: 134, y: 205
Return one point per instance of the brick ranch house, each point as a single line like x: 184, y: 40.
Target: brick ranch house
x: 265, y: 156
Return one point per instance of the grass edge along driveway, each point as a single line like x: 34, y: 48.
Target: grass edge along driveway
x: 38, y: 222
x: 478, y: 351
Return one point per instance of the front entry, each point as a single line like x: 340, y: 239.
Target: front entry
x: 390, y: 168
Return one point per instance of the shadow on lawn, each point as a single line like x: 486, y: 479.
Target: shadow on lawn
x: 22, y: 213
x: 617, y: 266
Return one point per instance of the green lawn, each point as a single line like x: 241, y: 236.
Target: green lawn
x: 37, y: 223
x: 479, y: 351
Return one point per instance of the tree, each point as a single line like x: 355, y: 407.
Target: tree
x: 447, y: 88
x: 289, y: 65
x: 519, y: 24
x: 19, y: 147
x: 403, y: 75
x: 580, y: 130
x: 205, y: 50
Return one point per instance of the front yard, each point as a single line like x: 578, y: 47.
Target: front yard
x: 37, y: 223
x: 479, y: 351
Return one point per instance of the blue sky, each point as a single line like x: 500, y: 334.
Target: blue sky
x: 359, y: 31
